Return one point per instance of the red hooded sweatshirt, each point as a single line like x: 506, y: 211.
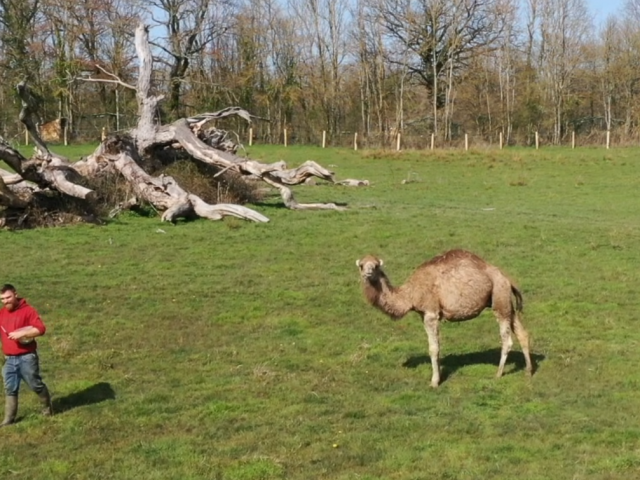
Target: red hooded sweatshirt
x: 23, y: 316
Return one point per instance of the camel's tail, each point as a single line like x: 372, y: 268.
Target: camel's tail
x: 518, y: 296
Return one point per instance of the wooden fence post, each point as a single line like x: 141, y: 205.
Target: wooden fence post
x: 250, y: 136
x: 608, y: 139
x: 104, y: 133
x: 466, y: 142
x: 324, y: 138
x: 398, y: 142
x: 433, y: 141
x: 355, y: 141
x: 285, y: 137
x: 26, y: 137
x: 537, y: 142
x: 573, y: 139
x: 500, y: 140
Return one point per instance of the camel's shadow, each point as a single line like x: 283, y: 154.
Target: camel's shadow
x: 449, y: 364
x: 94, y: 394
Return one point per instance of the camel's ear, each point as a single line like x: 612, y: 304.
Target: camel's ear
x: 358, y: 263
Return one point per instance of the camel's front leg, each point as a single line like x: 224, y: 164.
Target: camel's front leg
x: 432, y: 327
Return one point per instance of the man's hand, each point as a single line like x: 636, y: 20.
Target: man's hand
x: 26, y: 332
x: 17, y: 335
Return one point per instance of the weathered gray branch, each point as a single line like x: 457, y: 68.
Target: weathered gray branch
x: 165, y: 193
x: 114, y: 80
x: 10, y: 178
x: 146, y: 131
x: 353, y: 182
x: 11, y: 156
x: 56, y: 173
x: 10, y: 199
x: 46, y: 168
x: 275, y: 174
x: 28, y: 111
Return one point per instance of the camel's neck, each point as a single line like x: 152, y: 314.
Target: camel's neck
x: 387, y: 298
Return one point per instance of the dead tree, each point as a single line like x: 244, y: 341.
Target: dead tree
x: 126, y: 154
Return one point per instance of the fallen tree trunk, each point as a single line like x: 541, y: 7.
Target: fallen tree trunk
x: 10, y: 178
x: 8, y: 198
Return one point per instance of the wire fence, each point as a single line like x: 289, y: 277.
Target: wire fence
x: 429, y: 141
x: 95, y: 131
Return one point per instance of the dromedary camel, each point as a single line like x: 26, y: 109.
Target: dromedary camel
x: 455, y: 286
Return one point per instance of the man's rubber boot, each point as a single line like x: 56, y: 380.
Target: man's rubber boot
x: 45, y: 399
x: 10, y: 410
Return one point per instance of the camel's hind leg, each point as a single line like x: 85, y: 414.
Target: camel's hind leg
x: 507, y: 342
x: 523, y: 339
x: 432, y: 327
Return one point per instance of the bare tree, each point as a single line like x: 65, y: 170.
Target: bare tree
x: 440, y: 35
x: 90, y: 37
x: 627, y: 44
x: 323, y: 23
x: 507, y: 63
x: 372, y: 69
x: 17, y: 22
x: 270, y: 49
x: 189, y: 26
x: 563, y: 27
x: 632, y: 10
x: 608, y: 68
x: 20, y: 57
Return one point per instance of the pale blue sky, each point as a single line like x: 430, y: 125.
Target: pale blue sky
x: 600, y: 9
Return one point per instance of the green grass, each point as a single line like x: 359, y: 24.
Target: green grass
x: 237, y: 351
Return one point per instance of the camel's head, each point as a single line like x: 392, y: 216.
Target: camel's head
x: 370, y: 268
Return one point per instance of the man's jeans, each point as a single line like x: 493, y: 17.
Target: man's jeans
x: 22, y: 367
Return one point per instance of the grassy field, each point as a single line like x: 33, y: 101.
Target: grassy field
x: 237, y: 351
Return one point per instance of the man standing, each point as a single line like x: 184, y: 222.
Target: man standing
x: 19, y: 325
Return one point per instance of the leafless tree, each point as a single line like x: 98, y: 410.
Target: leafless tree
x: 372, y: 69
x: 189, y: 26
x: 563, y: 27
x: 270, y: 48
x: 20, y: 57
x: 628, y: 46
x: 609, y: 55
x: 323, y: 24
x: 17, y: 22
x: 89, y: 38
x: 440, y: 35
x: 507, y: 65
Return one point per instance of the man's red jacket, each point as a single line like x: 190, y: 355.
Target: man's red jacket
x: 24, y: 315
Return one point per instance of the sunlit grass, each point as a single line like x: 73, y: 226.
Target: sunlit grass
x: 239, y: 351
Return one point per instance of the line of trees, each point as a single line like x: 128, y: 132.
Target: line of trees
x: 378, y: 67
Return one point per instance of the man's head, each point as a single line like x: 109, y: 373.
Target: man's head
x: 8, y: 297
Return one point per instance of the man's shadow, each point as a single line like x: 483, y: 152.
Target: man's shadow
x: 449, y: 364
x: 94, y: 394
